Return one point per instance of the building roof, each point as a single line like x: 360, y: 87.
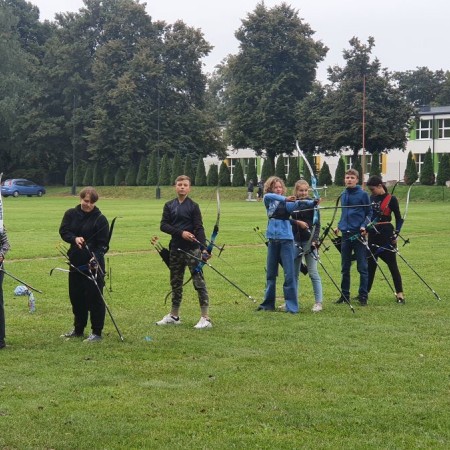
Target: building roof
x: 433, y: 110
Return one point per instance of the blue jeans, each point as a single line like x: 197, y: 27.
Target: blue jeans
x: 281, y: 251
x: 347, y: 246
x: 313, y: 273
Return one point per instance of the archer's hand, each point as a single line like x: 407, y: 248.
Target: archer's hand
x: 205, y: 256
x: 2, y: 258
x: 188, y: 236
x: 79, y: 241
x: 303, y: 225
x: 291, y: 198
x: 93, y: 264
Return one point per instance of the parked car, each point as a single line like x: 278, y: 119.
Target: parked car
x: 21, y: 186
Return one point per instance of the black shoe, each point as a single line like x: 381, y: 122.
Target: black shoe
x: 262, y: 308
x: 362, y: 301
x: 72, y: 334
x: 340, y: 300
x: 401, y: 300
x: 2, y: 344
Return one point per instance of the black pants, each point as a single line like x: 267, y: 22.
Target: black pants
x: 2, y: 309
x: 85, y: 298
x: 387, y: 255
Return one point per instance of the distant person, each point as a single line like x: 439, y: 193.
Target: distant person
x: 86, y: 229
x: 383, y: 236
x: 259, y: 194
x: 182, y: 219
x: 4, y: 247
x: 250, y: 189
x: 355, y: 217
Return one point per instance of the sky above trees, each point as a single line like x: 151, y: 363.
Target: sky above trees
x: 407, y: 35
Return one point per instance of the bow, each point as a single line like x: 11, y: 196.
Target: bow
x: 211, y: 242
x: 316, y: 217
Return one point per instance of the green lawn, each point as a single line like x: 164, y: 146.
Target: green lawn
x: 378, y: 378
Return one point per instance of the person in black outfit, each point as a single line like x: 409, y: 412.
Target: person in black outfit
x: 382, y: 235
x: 182, y: 219
x: 86, y: 229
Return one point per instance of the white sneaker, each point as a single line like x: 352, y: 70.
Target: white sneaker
x: 203, y: 323
x: 169, y: 320
x: 317, y: 307
x: 93, y: 338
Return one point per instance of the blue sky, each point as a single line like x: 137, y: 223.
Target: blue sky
x: 408, y: 34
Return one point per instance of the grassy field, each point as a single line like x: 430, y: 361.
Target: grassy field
x: 378, y: 378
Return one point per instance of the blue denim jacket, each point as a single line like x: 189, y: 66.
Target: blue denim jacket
x: 277, y: 206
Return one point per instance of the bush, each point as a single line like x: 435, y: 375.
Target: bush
x: 224, y: 175
x: 427, y: 177
x: 339, y: 175
x: 325, y: 175
x: 200, y: 174
x: 294, y: 173
x: 410, y: 176
x: 213, y: 175
x: 444, y: 170
x: 267, y: 169
x: 238, y: 175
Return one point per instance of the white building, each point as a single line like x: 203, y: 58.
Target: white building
x: 430, y: 131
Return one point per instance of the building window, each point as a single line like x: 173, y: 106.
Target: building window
x: 444, y: 128
x: 231, y: 164
x: 424, y: 129
x: 419, y: 158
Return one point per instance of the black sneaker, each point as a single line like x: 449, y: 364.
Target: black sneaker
x: 72, y: 334
x: 362, y: 301
x: 2, y: 344
x: 401, y: 300
x: 340, y: 300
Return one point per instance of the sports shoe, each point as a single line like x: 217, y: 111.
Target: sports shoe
x: 401, y: 300
x: 169, y: 320
x: 282, y: 308
x: 203, y: 323
x: 2, y: 344
x: 340, y: 300
x: 72, y: 334
x: 93, y: 338
x: 317, y: 307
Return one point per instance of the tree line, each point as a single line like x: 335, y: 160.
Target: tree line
x: 119, y: 97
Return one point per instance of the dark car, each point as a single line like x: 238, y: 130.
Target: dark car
x: 21, y: 186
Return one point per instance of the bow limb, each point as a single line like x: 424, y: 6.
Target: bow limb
x: 316, y: 217
x: 211, y: 243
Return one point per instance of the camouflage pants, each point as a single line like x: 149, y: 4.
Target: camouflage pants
x: 178, y: 263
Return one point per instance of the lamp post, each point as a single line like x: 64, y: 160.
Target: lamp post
x: 158, y: 189
x: 74, y: 181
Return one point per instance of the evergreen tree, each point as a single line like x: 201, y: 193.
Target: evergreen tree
x: 108, y: 176
x: 251, y: 171
x: 213, y: 175
x: 164, y: 171
x: 69, y: 176
x: 357, y: 166
x: 88, y: 176
x: 200, y: 173
x: 152, y: 173
x: 119, y: 177
x: 97, y: 178
x: 141, y: 178
x: 443, y: 174
x: 224, y: 175
x: 325, y: 178
x: 375, y: 166
x: 188, y: 169
x: 238, y: 175
x: 294, y: 174
x: 339, y: 175
x: 427, y: 176
x: 280, y: 168
x: 410, y: 176
x: 267, y: 169
x: 130, y: 176
x: 79, y: 174
x: 177, y: 167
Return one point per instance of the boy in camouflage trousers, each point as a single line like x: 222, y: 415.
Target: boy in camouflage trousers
x: 182, y: 219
